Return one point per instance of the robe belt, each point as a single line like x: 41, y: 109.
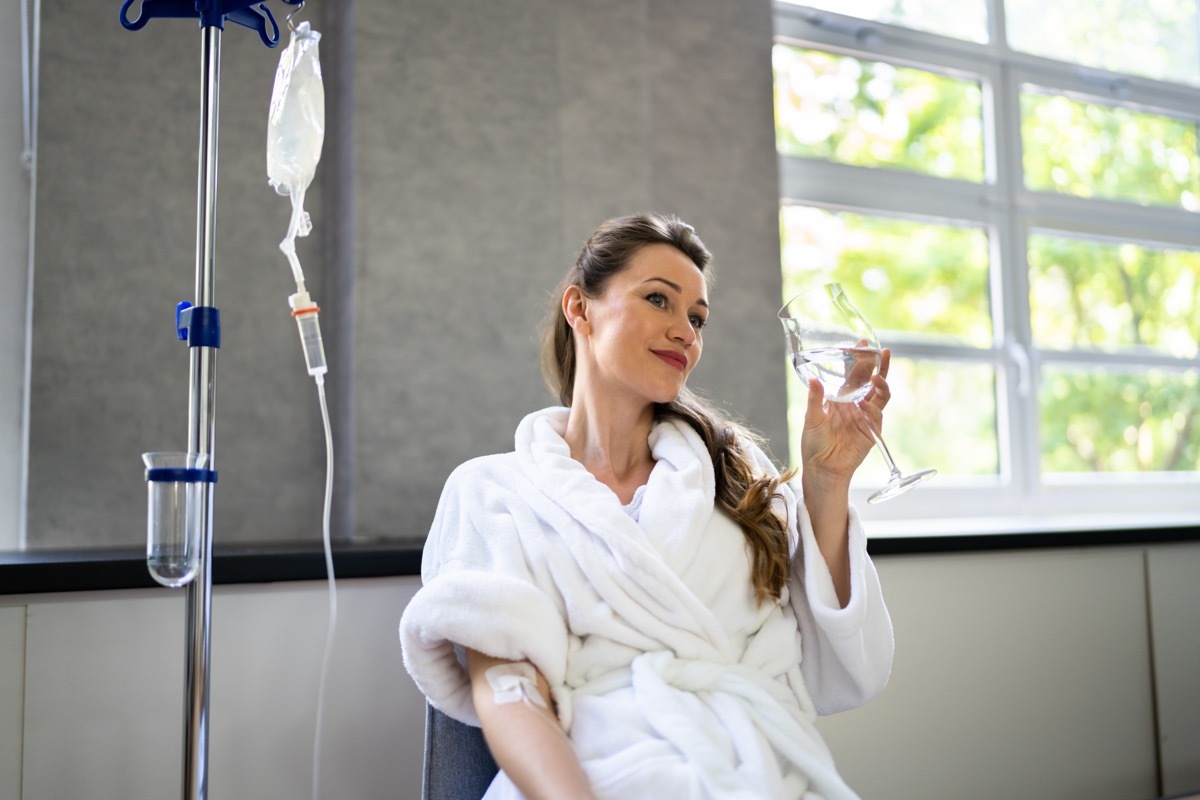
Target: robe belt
x: 656, y: 679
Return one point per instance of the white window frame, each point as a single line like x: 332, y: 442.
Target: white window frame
x: 1020, y: 500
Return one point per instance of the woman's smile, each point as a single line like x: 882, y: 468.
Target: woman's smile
x: 677, y: 360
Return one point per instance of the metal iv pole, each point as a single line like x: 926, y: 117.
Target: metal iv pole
x: 199, y: 325
x: 202, y: 400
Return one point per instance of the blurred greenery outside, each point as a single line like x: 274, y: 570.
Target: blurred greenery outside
x: 1153, y: 38
x: 1092, y: 150
x: 873, y: 114
x: 928, y: 281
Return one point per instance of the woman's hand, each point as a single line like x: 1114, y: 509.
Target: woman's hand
x: 836, y: 436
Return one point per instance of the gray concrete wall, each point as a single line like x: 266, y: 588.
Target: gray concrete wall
x: 490, y: 138
x: 505, y: 133
x: 116, y: 251
x: 14, y: 240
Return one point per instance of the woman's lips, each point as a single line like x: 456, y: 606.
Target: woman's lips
x: 677, y: 360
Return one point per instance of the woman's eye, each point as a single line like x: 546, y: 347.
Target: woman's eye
x: 657, y: 299
x: 697, y: 321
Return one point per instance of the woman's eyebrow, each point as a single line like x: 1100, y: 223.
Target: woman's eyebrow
x: 678, y: 289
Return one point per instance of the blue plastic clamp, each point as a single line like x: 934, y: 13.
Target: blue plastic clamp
x: 199, y: 326
x: 181, y: 475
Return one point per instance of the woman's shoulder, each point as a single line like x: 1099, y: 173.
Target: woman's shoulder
x: 473, y: 492
x: 489, y: 468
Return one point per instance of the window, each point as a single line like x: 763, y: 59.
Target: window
x: 1011, y: 191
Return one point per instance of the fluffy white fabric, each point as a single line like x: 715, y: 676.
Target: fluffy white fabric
x: 668, y: 676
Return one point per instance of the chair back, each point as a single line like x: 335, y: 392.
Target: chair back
x: 458, y: 764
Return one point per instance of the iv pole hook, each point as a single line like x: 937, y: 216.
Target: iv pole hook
x: 288, y: 19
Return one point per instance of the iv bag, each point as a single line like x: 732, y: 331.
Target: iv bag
x: 296, y: 121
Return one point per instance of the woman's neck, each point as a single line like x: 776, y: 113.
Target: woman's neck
x: 612, y: 443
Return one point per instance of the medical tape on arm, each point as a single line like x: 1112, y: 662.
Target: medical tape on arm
x: 514, y: 683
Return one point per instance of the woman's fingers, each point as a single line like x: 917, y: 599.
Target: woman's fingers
x: 881, y: 391
x: 816, y: 400
x: 860, y: 373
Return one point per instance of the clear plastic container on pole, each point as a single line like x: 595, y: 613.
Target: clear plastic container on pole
x: 174, y: 515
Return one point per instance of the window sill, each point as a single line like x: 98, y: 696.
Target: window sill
x: 981, y: 534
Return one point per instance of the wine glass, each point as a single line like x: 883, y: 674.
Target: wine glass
x: 830, y: 340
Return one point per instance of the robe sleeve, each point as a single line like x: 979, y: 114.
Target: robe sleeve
x: 846, y: 653
x: 479, y: 592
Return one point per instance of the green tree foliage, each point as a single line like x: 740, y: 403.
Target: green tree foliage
x: 870, y: 113
x: 918, y: 280
x: 1126, y: 299
x: 1091, y: 150
x: 1113, y: 297
x: 1154, y: 38
x: 1103, y: 421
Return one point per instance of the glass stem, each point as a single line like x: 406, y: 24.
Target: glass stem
x: 883, y: 449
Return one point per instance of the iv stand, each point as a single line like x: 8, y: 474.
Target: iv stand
x: 200, y: 326
x: 202, y: 428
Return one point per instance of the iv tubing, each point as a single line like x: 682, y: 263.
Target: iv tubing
x: 332, y: 629
x: 30, y: 45
x: 288, y: 245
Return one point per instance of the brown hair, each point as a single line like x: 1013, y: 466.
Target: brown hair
x: 741, y: 492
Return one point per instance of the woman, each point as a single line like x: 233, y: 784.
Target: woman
x: 635, y: 603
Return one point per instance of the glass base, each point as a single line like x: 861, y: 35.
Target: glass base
x: 899, y: 484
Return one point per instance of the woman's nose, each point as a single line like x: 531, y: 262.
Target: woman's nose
x: 683, y: 332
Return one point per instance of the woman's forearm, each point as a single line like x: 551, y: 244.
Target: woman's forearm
x: 526, y: 738
x: 828, y: 504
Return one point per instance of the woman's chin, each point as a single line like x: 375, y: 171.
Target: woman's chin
x: 668, y: 395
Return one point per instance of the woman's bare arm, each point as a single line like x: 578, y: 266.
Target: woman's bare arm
x: 524, y: 736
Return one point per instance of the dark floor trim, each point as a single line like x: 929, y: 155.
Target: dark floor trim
x: 970, y: 543
x: 35, y: 572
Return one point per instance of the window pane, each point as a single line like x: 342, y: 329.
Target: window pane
x: 1100, y: 421
x: 1085, y: 294
x: 874, y: 114
x: 962, y: 19
x: 925, y: 280
x: 942, y: 415
x: 1092, y: 150
x: 1156, y: 39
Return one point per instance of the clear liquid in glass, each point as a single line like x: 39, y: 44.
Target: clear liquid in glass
x: 173, y: 571
x: 844, y: 372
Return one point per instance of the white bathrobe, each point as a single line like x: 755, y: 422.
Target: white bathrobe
x: 669, y: 678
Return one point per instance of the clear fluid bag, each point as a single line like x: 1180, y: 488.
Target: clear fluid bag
x: 296, y: 123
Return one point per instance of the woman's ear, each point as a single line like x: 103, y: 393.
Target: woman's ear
x: 575, y: 309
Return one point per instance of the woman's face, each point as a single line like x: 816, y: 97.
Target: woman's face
x: 643, y: 334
